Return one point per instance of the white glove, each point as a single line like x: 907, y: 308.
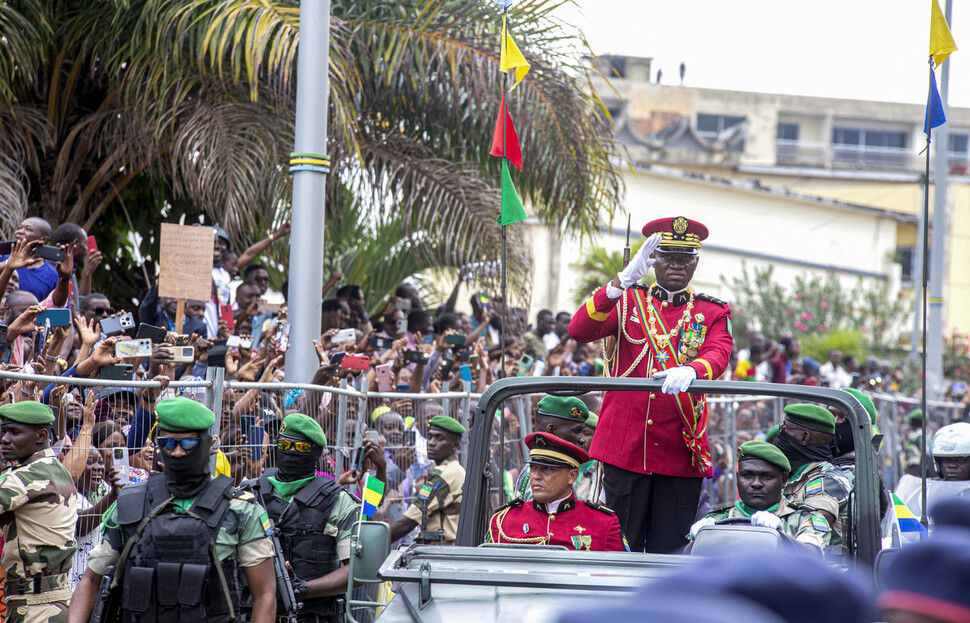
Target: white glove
x: 676, y: 379
x: 764, y: 519
x: 707, y: 521
x: 640, y: 264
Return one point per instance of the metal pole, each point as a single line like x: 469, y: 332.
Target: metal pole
x: 309, y: 165
x: 213, y: 400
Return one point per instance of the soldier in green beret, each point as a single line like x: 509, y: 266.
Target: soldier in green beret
x: 913, y: 448
x: 296, y: 496
x: 443, y: 486
x: 805, y: 438
x: 184, y: 506
x: 844, y: 450
x: 565, y: 417
x: 762, y: 471
x: 40, y: 516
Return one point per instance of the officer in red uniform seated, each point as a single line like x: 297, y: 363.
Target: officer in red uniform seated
x: 554, y: 516
x: 654, y: 445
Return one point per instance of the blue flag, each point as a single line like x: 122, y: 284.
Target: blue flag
x: 935, y: 117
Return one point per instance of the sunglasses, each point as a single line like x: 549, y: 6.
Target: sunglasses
x: 168, y: 444
x: 102, y: 311
x: 300, y: 446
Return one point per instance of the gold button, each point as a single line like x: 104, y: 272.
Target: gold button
x: 649, y: 421
x: 652, y: 396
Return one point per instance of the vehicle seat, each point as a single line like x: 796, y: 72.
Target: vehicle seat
x: 714, y: 539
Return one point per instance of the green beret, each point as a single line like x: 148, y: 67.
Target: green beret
x: 592, y: 420
x: 447, y: 424
x: 765, y: 451
x: 915, y: 414
x: 772, y: 432
x: 865, y: 401
x: 565, y: 407
x: 810, y: 416
x: 183, y: 415
x: 28, y: 412
x: 299, y: 425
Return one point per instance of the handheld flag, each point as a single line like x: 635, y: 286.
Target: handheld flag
x: 935, y: 115
x: 941, y: 40
x: 907, y: 520
x: 505, y: 132
x: 373, y: 492
x: 512, y: 210
x: 511, y: 57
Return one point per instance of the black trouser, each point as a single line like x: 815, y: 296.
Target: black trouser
x: 655, y: 511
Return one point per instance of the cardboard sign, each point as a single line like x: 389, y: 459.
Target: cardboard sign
x: 185, y: 262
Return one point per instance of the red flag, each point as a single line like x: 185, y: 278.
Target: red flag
x: 511, y: 138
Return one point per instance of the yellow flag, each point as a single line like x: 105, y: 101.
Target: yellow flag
x: 941, y: 41
x: 512, y: 58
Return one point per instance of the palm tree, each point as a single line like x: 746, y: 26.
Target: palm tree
x: 192, y: 101
x: 597, y: 266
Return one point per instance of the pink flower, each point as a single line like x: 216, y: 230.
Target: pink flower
x: 799, y: 296
x: 824, y: 295
x: 824, y: 305
x: 789, y: 311
x: 864, y: 330
x: 806, y: 316
x: 821, y: 327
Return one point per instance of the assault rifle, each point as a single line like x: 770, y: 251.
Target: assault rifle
x: 284, y: 584
x: 103, y: 606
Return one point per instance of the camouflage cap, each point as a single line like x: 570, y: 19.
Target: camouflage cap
x: 182, y: 415
x: 447, y: 424
x: 305, y: 427
x: 764, y: 451
x: 812, y: 417
x: 565, y: 407
x: 27, y: 412
x: 592, y: 420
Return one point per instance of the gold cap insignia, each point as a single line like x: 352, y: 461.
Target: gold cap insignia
x: 576, y: 413
x: 679, y: 225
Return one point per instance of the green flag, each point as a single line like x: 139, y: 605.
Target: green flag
x: 512, y: 210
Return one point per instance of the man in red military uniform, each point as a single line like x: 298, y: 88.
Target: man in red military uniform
x: 554, y: 516
x: 654, y: 445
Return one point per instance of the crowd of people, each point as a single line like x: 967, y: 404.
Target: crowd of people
x: 587, y: 456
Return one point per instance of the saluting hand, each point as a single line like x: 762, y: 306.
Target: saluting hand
x: 640, y: 263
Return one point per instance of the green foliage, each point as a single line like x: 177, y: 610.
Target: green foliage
x: 816, y: 305
x: 956, y: 356
x: 848, y: 341
x: 597, y: 266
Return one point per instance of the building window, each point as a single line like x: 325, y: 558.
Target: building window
x: 906, y: 256
x: 787, y: 132
x: 869, y: 138
x: 715, y: 124
x: 958, y: 143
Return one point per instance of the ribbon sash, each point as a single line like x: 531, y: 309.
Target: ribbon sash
x: 693, y: 427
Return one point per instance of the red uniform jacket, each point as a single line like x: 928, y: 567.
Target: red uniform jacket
x: 641, y: 431
x: 577, y: 525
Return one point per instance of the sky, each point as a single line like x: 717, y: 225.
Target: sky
x: 853, y: 49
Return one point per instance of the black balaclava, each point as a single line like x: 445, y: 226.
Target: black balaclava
x: 798, y: 454
x: 842, y: 442
x: 297, y: 465
x: 187, y: 475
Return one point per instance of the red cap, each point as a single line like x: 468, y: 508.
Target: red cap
x: 677, y: 233
x: 547, y: 449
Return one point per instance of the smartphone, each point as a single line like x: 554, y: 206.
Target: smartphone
x: 464, y: 355
x: 336, y: 358
x: 117, y: 372
x: 254, y: 437
x: 134, y: 348
x: 381, y: 342
x: 119, y: 460
x: 155, y: 334
x: 282, y: 336
x: 233, y: 341
x: 225, y: 314
x: 246, y: 343
x: 416, y: 356
x: 401, y: 326
x: 245, y: 421
x: 429, y: 339
x: 182, y: 340
x: 92, y: 244
x: 403, y: 304
x: 358, y: 459
x: 58, y: 317
x: 182, y: 354
x: 117, y: 324
x: 446, y: 367
x: 466, y: 372
x: 372, y: 435
x: 216, y: 357
x: 355, y: 362
x: 6, y: 247
x: 384, y: 383
x: 403, y: 388
x: 344, y: 335
x: 273, y: 308
x: 48, y: 252
x: 455, y: 340
x: 409, y: 438
x: 525, y: 362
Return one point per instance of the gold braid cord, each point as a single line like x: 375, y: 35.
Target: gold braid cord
x: 621, y: 332
x: 536, y: 540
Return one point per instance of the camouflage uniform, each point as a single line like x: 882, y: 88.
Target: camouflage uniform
x: 38, y: 515
x: 912, y: 449
x: 822, y: 486
x: 799, y: 521
x: 242, y: 534
x: 444, y: 485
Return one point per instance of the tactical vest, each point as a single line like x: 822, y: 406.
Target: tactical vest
x: 301, y: 523
x: 171, y: 572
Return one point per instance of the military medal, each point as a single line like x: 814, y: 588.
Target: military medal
x: 699, y: 317
x: 525, y: 528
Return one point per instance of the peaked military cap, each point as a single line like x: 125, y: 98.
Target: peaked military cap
x: 183, y: 415
x: 28, y: 412
x: 447, y: 424
x: 547, y: 449
x: 811, y: 416
x: 565, y: 407
x: 766, y: 452
x: 677, y: 234
x: 299, y: 425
